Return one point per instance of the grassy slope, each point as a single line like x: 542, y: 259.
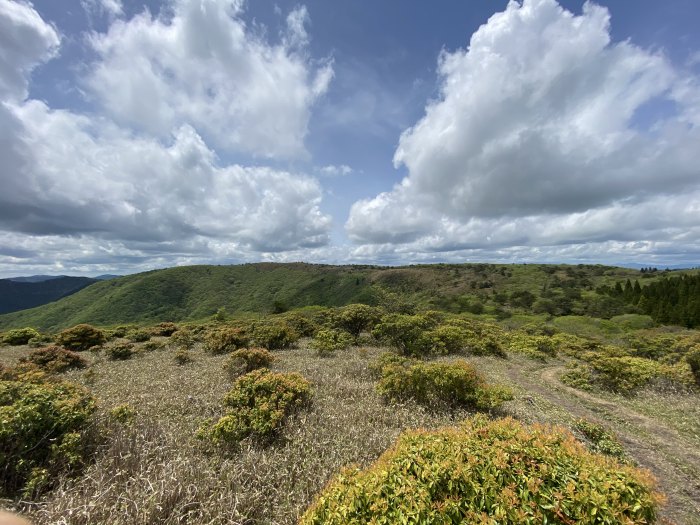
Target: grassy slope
x: 195, y: 292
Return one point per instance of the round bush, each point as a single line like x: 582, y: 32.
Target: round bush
x: 40, y: 435
x: 488, y: 472
x: 223, y: 340
x: 440, y: 384
x: 259, y: 403
x: 248, y: 359
x: 325, y: 342
x: 81, y: 337
x: 121, y: 351
x: 19, y: 336
x: 55, y: 359
x: 274, y: 335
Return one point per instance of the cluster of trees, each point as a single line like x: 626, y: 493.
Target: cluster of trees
x: 674, y: 300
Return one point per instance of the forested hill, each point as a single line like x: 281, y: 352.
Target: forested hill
x: 670, y: 300
x: 18, y: 294
x: 196, y: 292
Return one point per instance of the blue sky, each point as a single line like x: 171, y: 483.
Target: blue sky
x: 142, y: 135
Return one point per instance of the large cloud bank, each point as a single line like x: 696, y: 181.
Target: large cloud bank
x: 545, y: 136
x: 137, y: 177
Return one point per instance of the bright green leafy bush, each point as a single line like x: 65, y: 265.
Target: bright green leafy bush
x: 224, y: 340
x: 19, y: 336
x: 327, y: 341
x: 356, y: 318
x: 534, y: 346
x: 248, y: 359
x: 693, y: 360
x: 274, y: 335
x: 55, y: 359
x: 440, y: 385
x: 258, y: 404
x: 493, y: 472
x: 182, y: 339
x: 123, y: 413
x: 409, y: 334
x: 40, y: 434
x: 81, y: 337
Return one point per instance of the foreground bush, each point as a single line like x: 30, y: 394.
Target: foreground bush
x: 55, y: 359
x: 19, y: 336
x: 440, y: 385
x: 496, y: 472
x: 356, y: 318
x: 409, y: 334
x: 224, y: 340
x: 325, y: 342
x: 248, y: 359
x: 40, y: 434
x: 693, y: 360
x: 81, y: 337
x: 258, y: 404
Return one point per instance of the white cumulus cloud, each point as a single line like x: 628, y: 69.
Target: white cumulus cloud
x: 198, y: 63
x: 537, y: 139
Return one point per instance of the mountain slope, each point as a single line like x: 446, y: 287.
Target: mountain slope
x: 196, y: 292
x: 19, y: 295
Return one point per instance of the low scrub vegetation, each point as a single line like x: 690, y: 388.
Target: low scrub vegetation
x: 248, y: 359
x: 81, y: 337
x: 327, y: 341
x: 224, y: 340
x: 258, y: 405
x: 121, y: 351
x: 42, y: 433
x: 55, y: 359
x: 273, y: 335
x: 439, y: 385
x: 488, y: 472
x: 19, y: 336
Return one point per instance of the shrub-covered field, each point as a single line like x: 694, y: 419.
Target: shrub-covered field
x: 258, y: 420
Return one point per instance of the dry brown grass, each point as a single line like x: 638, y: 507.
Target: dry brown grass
x: 155, y: 471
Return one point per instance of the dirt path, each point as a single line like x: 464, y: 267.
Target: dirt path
x: 653, y: 445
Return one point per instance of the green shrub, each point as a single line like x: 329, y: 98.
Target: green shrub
x: 19, y: 336
x: 302, y: 325
x: 693, y: 360
x: 164, y: 329
x: 150, y: 346
x: 274, y: 335
x: 246, y: 360
x: 258, y: 404
x: 41, y: 434
x: 182, y: 339
x: 55, y: 359
x: 600, y: 440
x: 139, y: 335
x: 440, y: 385
x: 182, y: 357
x: 327, y: 341
x: 121, y: 351
x: 356, y: 318
x: 409, y: 334
x: 81, y: 337
x: 534, y: 346
x: 496, y: 472
x: 224, y: 340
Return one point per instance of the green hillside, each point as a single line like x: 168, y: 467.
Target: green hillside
x: 196, y: 292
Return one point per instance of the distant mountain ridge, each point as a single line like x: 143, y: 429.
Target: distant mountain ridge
x: 197, y: 292
x: 29, y: 292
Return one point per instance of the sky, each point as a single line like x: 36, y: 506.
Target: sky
x: 138, y: 135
